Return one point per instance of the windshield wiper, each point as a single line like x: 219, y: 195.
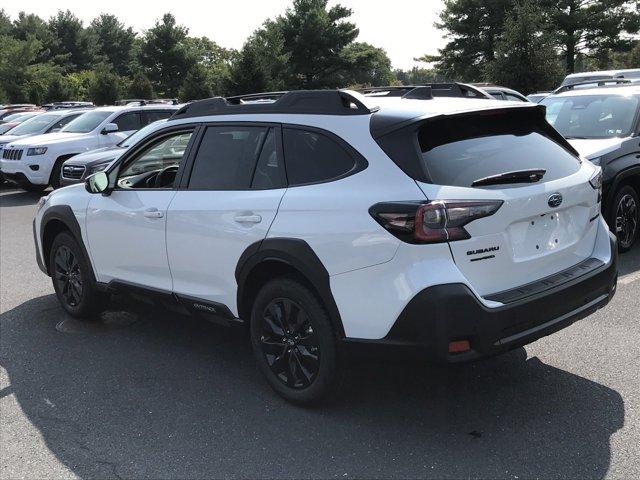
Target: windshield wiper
x: 572, y: 137
x: 532, y: 175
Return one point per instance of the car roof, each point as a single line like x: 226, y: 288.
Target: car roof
x: 126, y: 108
x: 623, y: 89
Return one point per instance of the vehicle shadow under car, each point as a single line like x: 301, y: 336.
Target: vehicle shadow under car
x: 148, y: 394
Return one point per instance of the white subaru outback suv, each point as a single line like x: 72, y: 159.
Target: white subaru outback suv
x: 35, y: 162
x: 461, y: 227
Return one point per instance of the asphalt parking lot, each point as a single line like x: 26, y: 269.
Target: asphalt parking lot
x: 142, y: 394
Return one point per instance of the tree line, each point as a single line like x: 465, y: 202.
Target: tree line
x: 530, y: 45
x: 524, y: 44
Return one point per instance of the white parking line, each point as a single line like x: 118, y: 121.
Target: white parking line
x: 629, y: 278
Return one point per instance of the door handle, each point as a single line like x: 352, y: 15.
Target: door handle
x: 153, y: 213
x: 248, y: 218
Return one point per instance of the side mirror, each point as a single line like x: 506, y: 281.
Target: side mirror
x: 109, y: 128
x: 97, y: 183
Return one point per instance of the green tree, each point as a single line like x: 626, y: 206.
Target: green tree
x: 6, y: 27
x: 140, y: 86
x: 215, y: 60
x: 314, y: 37
x: 104, y: 88
x: 418, y: 76
x: 112, y: 42
x: 164, y: 56
x: 30, y: 26
x: 592, y: 27
x: 196, y: 84
x: 261, y: 65
x: 525, y: 56
x: 367, y: 65
x: 15, y: 58
x: 70, y: 46
x: 473, y: 28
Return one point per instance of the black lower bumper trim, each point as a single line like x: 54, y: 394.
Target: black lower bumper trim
x: 442, y: 314
x: 17, y: 178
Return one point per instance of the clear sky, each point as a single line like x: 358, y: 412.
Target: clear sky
x: 405, y: 33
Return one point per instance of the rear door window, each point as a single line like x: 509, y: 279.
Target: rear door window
x: 128, y: 121
x: 312, y: 157
x: 226, y: 157
x: 155, y: 115
x: 459, y: 150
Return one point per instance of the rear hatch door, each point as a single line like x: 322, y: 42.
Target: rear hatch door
x: 546, y: 223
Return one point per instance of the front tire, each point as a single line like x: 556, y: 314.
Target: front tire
x: 72, y: 278
x: 625, y: 217
x: 55, y: 179
x: 294, y: 342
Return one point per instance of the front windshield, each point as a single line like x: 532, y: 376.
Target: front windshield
x: 140, y: 134
x: 35, y: 124
x: 592, y: 116
x: 86, y: 122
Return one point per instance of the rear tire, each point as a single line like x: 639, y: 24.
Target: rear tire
x: 625, y: 217
x: 294, y: 342
x: 72, y: 279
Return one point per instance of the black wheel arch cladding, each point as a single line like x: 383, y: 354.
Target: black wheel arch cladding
x: 61, y: 214
x: 296, y: 254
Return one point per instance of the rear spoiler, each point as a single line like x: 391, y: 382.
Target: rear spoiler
x: 383, y: 126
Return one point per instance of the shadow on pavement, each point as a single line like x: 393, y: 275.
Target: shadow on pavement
x: 20, y: 198
x: 149, y: 395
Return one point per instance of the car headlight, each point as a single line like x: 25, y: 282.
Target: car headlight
x: 37, y: 151
x: 98, y: 168
x: 41, y: 202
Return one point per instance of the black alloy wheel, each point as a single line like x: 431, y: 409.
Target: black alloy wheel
x: 68, y: 276
x: 294, y: 341
x: 73, y: 280
x: 626, y: 218
x: 289, y: 344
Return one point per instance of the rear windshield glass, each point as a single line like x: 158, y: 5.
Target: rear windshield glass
x: 592, y: 116
x: 460, y: 150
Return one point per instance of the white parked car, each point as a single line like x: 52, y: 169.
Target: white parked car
x: 40, y: 123
x: 319, y: 219
x: 35, y: 162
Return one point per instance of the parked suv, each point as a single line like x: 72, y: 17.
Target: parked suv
x: 79, y: 167
x: 603, y: 124
x: 36, y: 162
x: 318, y: 219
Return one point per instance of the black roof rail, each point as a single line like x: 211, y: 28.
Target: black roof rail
x: 450, y: 89
x: 598, y: 83
x: 317, y: 102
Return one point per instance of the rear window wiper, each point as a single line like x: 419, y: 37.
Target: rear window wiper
x: 532, y: 175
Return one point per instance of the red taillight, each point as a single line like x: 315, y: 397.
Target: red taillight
x: 432, y: 222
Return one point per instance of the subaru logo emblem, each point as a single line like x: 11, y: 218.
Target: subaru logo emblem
x: 555, y: 200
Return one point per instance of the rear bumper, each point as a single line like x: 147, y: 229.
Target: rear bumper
x: 442, y: 314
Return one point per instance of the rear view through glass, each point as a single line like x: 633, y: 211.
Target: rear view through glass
x: 471, y: 150
x: 592, y: 116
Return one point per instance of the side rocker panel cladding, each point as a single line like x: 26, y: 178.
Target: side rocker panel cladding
x: 295, y: 253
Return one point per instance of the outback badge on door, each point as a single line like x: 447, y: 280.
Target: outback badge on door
x: 555, y: 200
